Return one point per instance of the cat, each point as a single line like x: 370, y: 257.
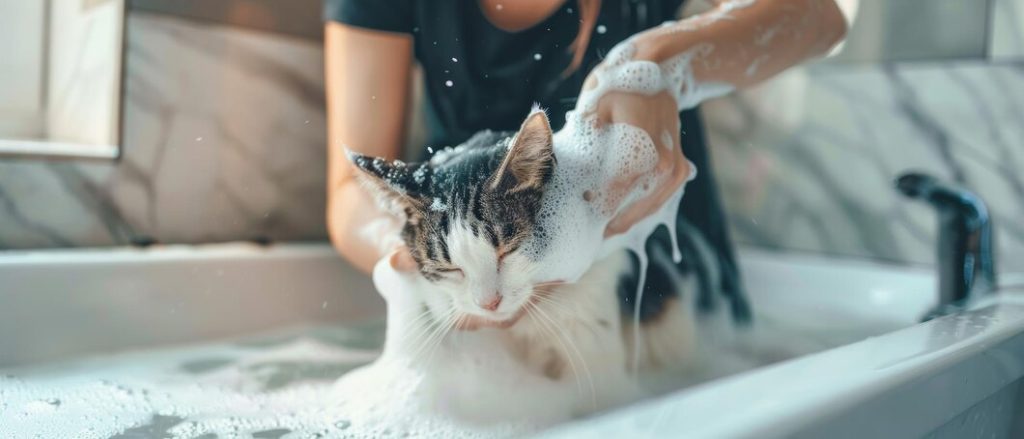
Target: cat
x: 468, y: 212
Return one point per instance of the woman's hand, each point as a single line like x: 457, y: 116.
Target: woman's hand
x: 743, y: 54
x: 657, y: 115
x: 401, y: 259
x: 384, y: 232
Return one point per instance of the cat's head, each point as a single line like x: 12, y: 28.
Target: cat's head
x: 468, y: 212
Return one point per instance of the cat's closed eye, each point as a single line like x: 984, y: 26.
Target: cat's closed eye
x: 505, y: 251
x: 451, y: 272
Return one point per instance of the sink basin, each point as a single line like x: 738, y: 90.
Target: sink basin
x: 836, y: 350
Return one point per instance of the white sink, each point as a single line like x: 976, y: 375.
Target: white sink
x: 849, y: 356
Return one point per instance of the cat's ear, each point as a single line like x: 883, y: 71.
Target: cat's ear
x: 397, y: 186
x: 531, y: 157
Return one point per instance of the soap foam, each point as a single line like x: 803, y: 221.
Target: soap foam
x: 467, y: 384
x: 572, y: 224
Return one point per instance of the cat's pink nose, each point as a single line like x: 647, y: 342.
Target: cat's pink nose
x: 489, y: 303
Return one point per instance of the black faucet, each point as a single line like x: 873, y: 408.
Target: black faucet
x: 966, y: 257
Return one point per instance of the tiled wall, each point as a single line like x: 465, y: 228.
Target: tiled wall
x: 807, y: 161
x: 224, y: 140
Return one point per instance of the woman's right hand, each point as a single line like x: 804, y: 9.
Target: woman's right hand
x: 657, y: 115
x: 386, y: 232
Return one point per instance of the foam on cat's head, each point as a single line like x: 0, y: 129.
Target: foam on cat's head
x: 466, y: 213
x: 577, y: 206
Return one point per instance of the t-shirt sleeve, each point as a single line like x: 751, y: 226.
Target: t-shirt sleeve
x: 383, y: 15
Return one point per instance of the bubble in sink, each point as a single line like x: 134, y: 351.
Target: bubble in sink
x: 240, y: 399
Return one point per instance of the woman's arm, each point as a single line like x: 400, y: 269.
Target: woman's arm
x: 746, y: 41
x: 738, y: 43
x: 367, y: 93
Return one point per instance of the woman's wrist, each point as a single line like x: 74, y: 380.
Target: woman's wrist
x: 657, y: 46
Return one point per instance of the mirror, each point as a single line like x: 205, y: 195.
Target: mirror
x: 61, y: 89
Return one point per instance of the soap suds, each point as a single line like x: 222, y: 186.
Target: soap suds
x: 591, y: 157
x: 465, y: 384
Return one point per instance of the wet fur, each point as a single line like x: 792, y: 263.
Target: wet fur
x: 468, y: 210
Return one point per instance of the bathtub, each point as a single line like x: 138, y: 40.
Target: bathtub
x: 874, y: 372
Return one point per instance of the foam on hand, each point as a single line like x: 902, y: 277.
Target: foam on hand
x: 575, y: 209
x: 576, y: 205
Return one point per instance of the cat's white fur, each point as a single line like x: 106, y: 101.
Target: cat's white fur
x: 483, y: 276
x: 574, y: 332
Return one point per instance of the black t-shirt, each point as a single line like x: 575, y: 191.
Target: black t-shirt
x: 479, y: 77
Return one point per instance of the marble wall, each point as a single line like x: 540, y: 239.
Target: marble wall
x: 807, y: 161
x: 223, y: 140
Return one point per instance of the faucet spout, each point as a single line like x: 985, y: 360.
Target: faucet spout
x: 965, y: 252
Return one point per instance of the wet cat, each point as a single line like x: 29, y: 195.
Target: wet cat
x: 468, y: 214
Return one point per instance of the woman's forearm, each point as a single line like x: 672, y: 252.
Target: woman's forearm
x: 742, y: 42
x: 350, y: 210
x: 367, y: 76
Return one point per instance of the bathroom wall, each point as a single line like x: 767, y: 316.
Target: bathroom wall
x: 224, y: 139
x: 807, y: 161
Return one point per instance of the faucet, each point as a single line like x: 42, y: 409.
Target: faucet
x: 965, y: 256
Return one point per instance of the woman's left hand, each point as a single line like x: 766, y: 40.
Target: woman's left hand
x: 656, y: 114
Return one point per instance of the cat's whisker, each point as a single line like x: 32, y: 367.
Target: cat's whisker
x: 567, y: 312
x: 586, y: 368
x: 446, y: 327
x: 434, y: 332
x: 416, y: 337
x: 530, y: 310
x: 561, y: 308
x: 420, y: 319
x: 550, y: 283
x: 421, y: 341
x: 421, y: 324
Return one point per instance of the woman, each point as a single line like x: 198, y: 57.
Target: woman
x: 486, y: 62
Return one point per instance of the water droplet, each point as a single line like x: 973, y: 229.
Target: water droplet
x: 601, y: 29
x: 454, y: 59
x: 199, y: 139
x: 324, y: 305
x: 449, y: 83
x: 342, y: 424
x: 536, y: 56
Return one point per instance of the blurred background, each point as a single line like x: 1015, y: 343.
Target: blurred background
x: 194, y: 121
